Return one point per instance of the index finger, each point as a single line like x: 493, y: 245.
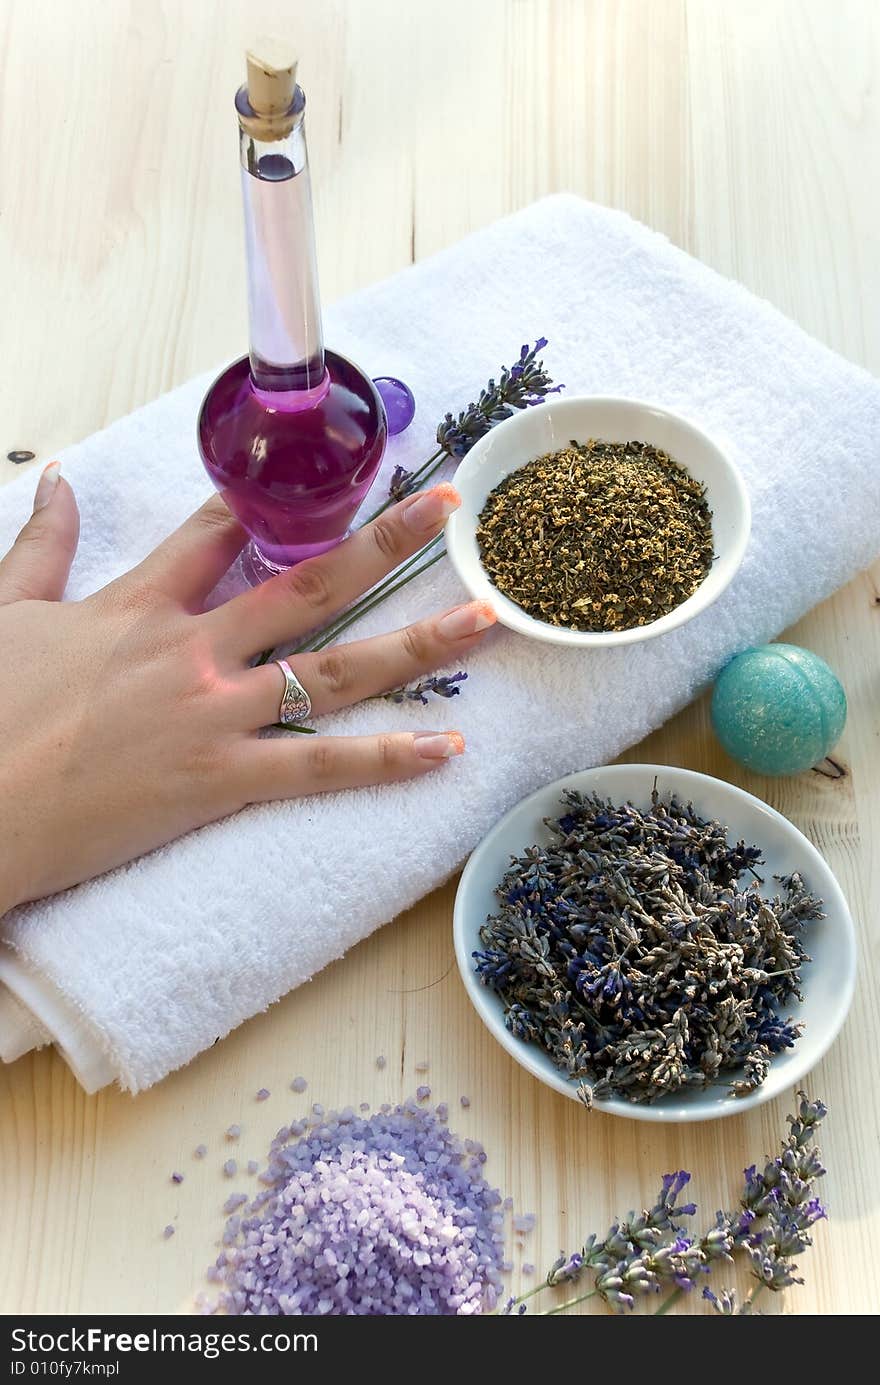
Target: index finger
x: 309, y: 594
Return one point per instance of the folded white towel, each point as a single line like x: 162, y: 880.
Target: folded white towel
x: 135, y: 973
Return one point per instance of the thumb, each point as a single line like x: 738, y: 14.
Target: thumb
x: 38, y: 564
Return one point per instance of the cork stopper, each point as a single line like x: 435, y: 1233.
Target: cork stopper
x: 271, y: 87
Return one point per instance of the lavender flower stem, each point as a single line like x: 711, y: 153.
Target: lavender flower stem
x: 569, y: 1303
x: 668, y: 1303
x: 380, y: 595
x: 385, y: 588
x: 754, y: 1294
x: 514, y: 1303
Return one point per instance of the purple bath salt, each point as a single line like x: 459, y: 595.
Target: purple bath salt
x: 298, y: 1084
x: 527, y: 1268
x: 422, y: 1093
x: 234, y: 1201
x: 263, y: 1094
x: 200, y: 1151
x: 177, y: 1178
x: 230, y: 1168
x: 385, y: 1215
x: 525, y: 1223
x: 252, y: 1166
x: 168, y: 1232
x: 317, y: 1109
x: 364, y: 1106
x: 233, y: 1132
x: 465, y: 1101
x: 381, y: 1061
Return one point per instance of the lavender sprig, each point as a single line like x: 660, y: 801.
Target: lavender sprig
x: 653, y: 1251
x: 445, y: 685
x: 520, y: 387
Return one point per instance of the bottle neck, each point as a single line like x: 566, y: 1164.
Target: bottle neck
x: 284, y: 306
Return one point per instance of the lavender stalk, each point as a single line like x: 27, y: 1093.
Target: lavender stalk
x: 652, y: 1251
x: 520, y: 386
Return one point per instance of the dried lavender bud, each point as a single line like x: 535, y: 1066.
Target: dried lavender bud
x: 725, y: 1302
x: 298, y: 1084
x: 401, y: 483
x: 465, y: 1101
x: 230, y: 1168
x: 628, y: 949
x: 177, y: 1178
x: 168, y: 1232
x: 263, y: 1094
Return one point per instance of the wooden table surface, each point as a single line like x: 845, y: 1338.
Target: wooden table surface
x: 748, y: 133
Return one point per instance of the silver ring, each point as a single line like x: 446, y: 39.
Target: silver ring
x: 295, y: 701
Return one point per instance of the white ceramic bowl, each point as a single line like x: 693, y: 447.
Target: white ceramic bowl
x: 532, y: 433
x: 827, y: 981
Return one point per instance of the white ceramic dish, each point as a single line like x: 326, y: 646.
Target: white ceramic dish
x: 828, y: 980
x: 531, y: 433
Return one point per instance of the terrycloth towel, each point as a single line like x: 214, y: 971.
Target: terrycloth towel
x: 135, y: 973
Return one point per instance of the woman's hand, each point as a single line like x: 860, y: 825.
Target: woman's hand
x: 131, y: 717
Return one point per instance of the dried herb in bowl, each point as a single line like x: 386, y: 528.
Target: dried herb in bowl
x: 599, y: 536
x: 630, y: 949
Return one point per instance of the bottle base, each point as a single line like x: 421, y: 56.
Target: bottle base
x: 256, y: 567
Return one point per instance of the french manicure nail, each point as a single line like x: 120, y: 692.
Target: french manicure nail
x: 438, y: 745
x: 47, y: 485
x: 429, y: 511
x: 466, y: 620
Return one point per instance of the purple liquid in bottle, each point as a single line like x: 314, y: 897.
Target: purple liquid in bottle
x: 294, y: 479
x: 291, y: 435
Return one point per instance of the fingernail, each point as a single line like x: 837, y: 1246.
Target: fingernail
x: 438, y: 746
x: 428, y: 511
x: 466, y: 620
x: 47, y: 485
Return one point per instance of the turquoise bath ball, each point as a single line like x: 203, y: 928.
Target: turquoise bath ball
x: 778, y: 709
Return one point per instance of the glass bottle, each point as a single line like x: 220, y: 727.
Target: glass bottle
x: 292, y: 434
